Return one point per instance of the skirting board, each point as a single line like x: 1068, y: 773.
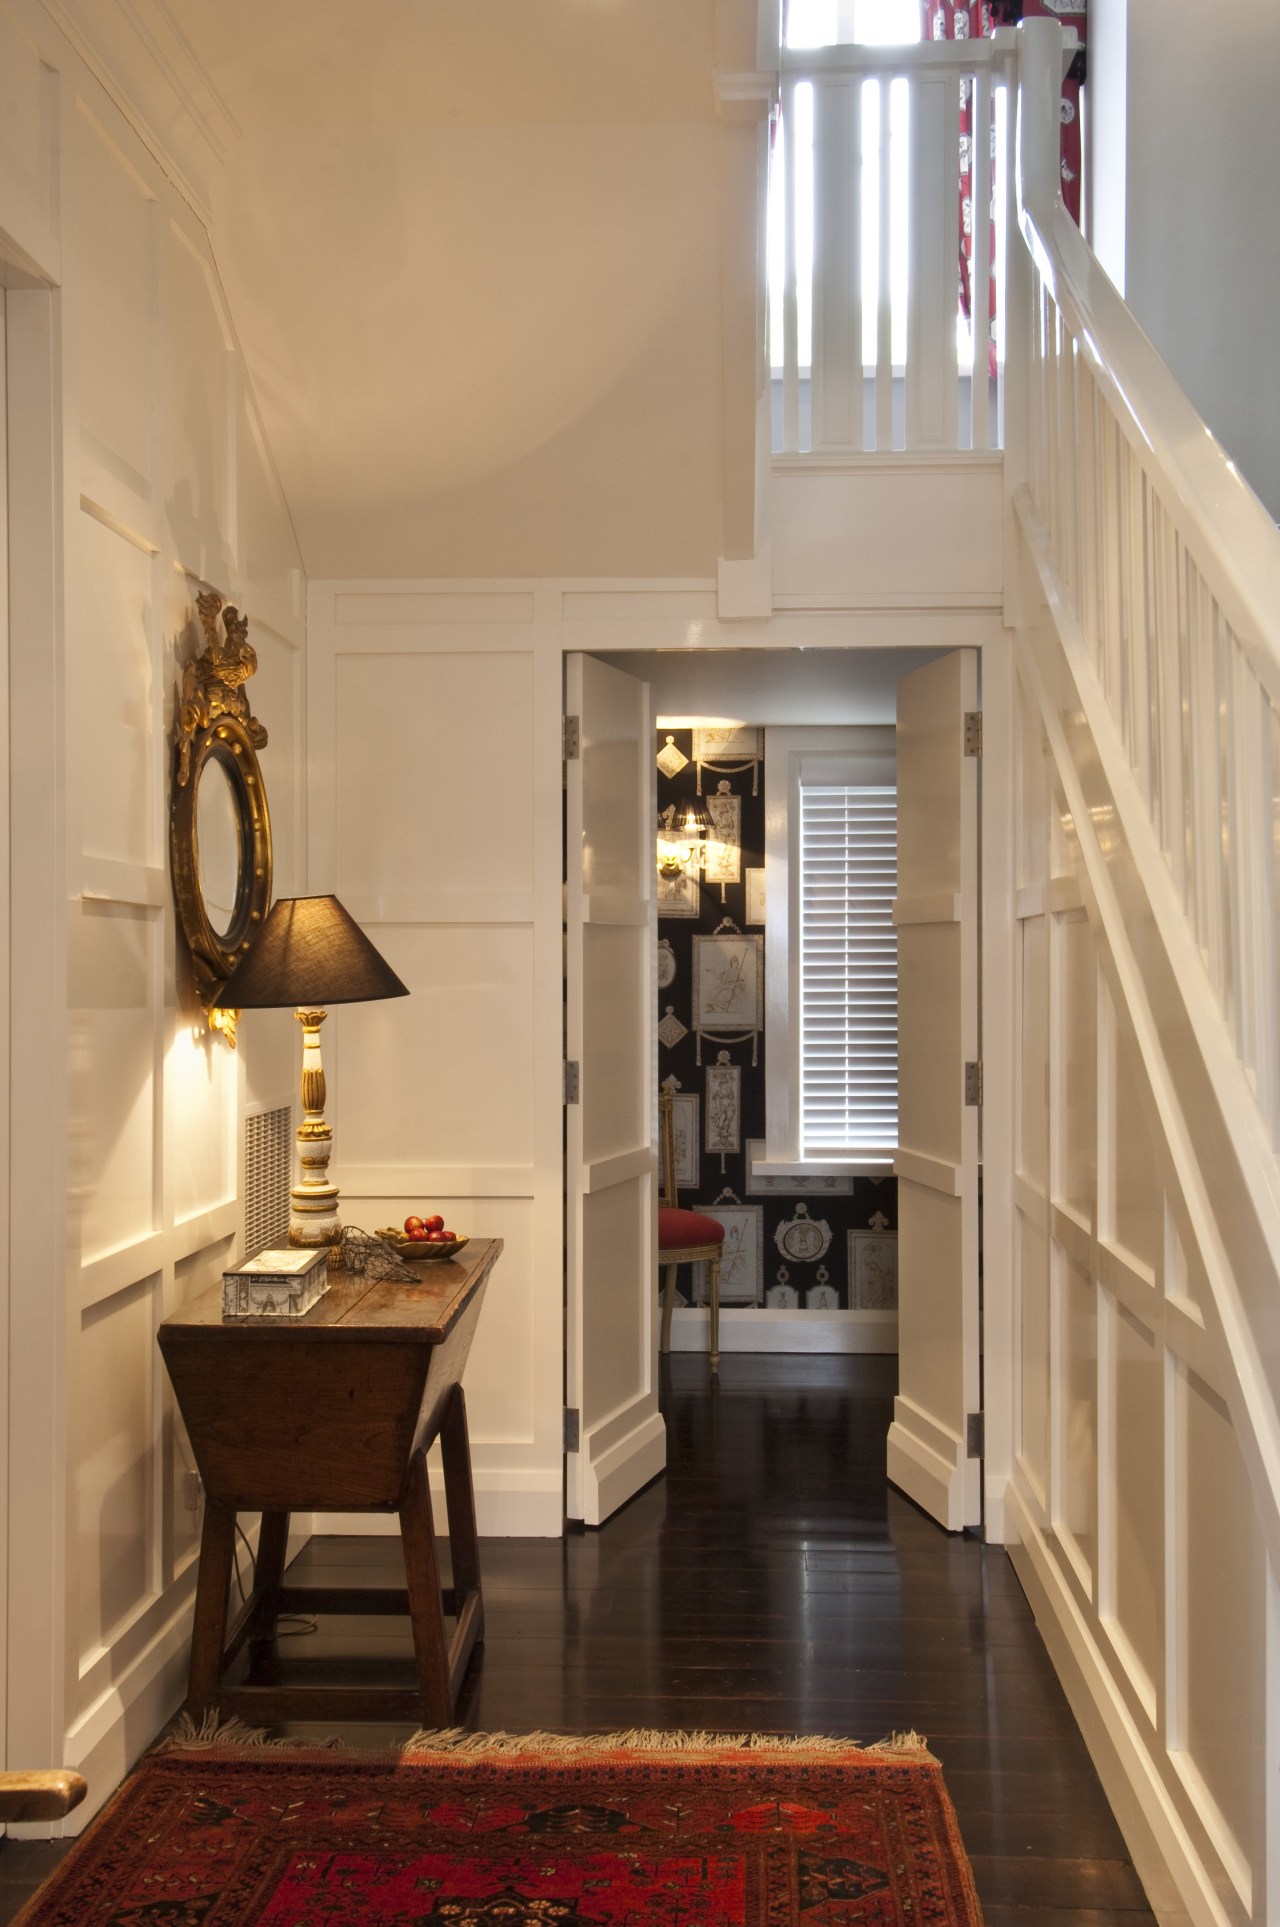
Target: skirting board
x: 529, y: 1510
x: 105, y: 1741
x: 749, y: 1330
x: 1178, y: 1885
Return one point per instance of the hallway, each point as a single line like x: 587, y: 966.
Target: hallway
x: 772, y: 1581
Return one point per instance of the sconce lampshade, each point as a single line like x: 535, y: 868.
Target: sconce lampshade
x: 309, y: 952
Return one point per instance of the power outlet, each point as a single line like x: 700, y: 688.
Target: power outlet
x: 193, y: 1488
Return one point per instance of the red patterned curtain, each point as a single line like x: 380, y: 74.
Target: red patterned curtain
x: 968, y: 20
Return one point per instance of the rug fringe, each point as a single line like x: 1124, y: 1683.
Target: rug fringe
x: 456, y: 1742
x: 184, y: 1736
x: 459, y: 1743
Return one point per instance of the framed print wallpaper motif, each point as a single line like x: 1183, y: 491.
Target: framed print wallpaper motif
x: 684, y: 1121
x: 728, y: 985
x: 671, y: 760
x: 873, y: 1270
x: 742, y: 1266
x: 724, y: 1106
x: 679, y: 896
x: 728, y: 751
x: 724, y: 846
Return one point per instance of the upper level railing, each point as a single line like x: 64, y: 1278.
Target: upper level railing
x: 1170, y: 566
x: 869, y: 350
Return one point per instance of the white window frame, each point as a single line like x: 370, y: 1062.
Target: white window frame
x: 856, y: 754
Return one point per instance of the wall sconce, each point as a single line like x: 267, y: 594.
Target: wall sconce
x: 683, y: 832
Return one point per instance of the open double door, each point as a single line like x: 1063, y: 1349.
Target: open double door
x: 616, y: 1440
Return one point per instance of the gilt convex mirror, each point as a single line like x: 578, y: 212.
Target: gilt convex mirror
x: 219, y: 828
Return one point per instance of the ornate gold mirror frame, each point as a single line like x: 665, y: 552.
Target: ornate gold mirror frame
x: 218, y: 740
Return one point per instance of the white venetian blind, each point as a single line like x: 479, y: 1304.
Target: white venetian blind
x: 848, y: 970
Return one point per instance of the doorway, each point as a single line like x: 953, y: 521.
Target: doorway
x: 801, y: 689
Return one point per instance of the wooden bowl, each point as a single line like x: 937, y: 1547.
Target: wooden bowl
x: 419, y: 1250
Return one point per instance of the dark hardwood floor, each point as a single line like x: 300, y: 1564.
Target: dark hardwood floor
x: 773, y: 1582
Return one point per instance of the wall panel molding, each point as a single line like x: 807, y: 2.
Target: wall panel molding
x: 134, y: 437
x: 1148, y: 1568
x: 139, y: 55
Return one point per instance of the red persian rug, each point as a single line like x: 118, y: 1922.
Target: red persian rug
x: 496, y: 1831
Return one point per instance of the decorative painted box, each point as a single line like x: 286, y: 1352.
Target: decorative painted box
x: 276, y: 1284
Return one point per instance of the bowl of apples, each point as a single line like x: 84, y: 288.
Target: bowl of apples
x: 423, y: 1238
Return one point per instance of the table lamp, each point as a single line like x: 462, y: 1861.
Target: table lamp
x: 310, y: 953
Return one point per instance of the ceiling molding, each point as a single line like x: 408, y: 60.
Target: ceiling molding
x: 136, y: 49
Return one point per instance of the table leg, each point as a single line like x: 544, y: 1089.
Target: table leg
x: 422, y: 1583
x: 209, y: 1633
x: 268, y: 1572
x: 460, y: 1506
x: 668, y: 1306
x: 713, y: 1281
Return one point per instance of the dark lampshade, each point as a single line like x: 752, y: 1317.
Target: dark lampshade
x: 309, y: 951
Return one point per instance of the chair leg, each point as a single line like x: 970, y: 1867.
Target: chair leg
x: 668, y: 1305
x: 713, y: 1291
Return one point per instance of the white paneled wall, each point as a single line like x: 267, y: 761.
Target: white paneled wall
x: 1141, y: 1547
x: 435, y: 815
x: 140, y: 475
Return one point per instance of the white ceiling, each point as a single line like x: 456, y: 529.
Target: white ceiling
x: 471, y: 249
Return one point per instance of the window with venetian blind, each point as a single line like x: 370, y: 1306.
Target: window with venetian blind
x: 831, y: 957
x: 848, y: 969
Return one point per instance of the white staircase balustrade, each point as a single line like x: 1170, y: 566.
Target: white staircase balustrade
x: 1171, y: 566
x: 865, y: 223
x: 1142, y: 1494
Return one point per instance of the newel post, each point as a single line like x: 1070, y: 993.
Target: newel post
x: 1034, y: 51
x: 1038, y: 166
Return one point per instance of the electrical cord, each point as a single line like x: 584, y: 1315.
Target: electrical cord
x: 288, y: 1625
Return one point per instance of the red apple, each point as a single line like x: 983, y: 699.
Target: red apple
x: 435, y: 1223
x: 412, y: 1224
x: 418, y: 1237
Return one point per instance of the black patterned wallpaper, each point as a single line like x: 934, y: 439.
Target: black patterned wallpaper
x: 825, y: 1244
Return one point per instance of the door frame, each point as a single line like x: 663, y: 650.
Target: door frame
x: 997, y: 990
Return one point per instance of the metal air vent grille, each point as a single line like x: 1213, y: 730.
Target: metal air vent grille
x: 268, y: 1167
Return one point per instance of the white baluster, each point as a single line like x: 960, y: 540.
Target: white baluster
x: 790, y: 323
x: 933, y: 198
x: 980, y: 264
x: 837, y: 263
x: 884, y: 285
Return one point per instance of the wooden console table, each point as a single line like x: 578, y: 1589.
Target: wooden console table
x: 334, y: 1412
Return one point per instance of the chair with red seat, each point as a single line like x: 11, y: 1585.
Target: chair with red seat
x: 684, y: 1237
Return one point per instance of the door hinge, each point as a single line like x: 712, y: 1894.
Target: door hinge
x: 570, y: 737
x: 976, y: 1434
x: 572, y: 1429
x: 572, y: 1081
x: 973, y: 1083
x: 973, y: 732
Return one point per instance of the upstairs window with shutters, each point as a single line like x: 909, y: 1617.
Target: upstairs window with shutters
x: 848, y: 970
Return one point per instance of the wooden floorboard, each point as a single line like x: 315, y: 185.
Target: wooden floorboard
x: 773, y: 1581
